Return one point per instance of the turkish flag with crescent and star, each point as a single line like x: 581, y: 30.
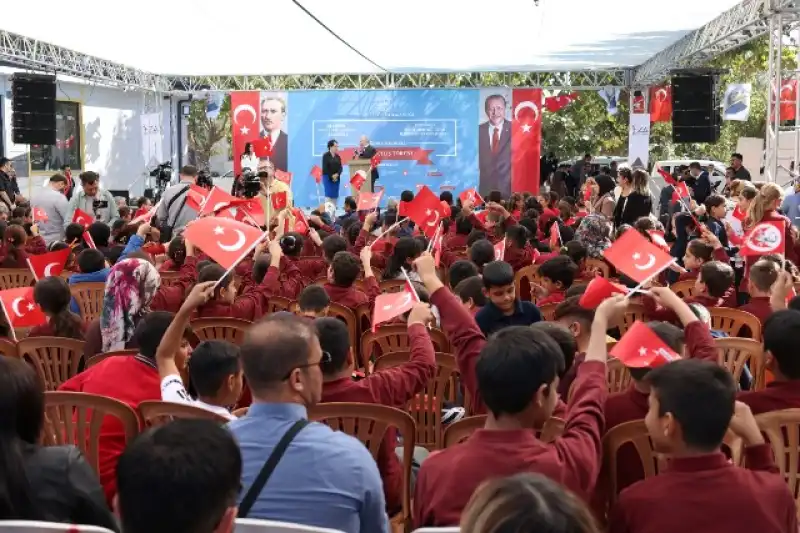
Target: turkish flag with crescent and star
x: 765, y: 238
x: 526, y: 139
x: 49, y: 264
x: 500, y: 250
x: 316, y: 173
x: 640, y: 347
x: 358, y: 179
x: 367, y: 201
x: 262, y: 148
x: 218, y: 199
x: 391, y: 305
x: 425, y: 210
x: 471, y: 195
x: 661, y: 104
x: 681, y: 190
x: 278, y: 200
x: 636, y: 257
x: 83, y: 218
x: 196, y: 197
x: 245, y: 123
x: 39, y: 214
x: 668, y: 179
x: 598, y: 290
x: 20, y: 308
x: 788, y: 99
x: 224, y: 240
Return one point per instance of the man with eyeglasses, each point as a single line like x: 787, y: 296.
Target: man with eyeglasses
x: 295, y: 470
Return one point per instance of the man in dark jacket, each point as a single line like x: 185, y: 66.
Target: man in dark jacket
x: 702, y: 182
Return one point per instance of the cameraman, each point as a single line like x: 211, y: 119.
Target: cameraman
x: 270, y: 185
x: 93, y: 200
x: 173, y: 214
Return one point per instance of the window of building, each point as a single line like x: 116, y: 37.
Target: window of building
x: 67, y: 150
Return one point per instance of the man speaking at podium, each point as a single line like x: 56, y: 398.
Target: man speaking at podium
x: 366, y: 151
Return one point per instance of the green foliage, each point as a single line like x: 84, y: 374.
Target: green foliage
x: 206, y: 133
x: 586, y: 127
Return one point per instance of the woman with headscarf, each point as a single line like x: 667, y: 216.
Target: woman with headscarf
x: 593, y: 233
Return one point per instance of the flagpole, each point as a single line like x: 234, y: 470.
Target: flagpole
x: 433, y: 239
x: 638, y: 288
x: 247, y: 252
x: 10, y: 324
x: 410, y: 284
x: 382, y: 234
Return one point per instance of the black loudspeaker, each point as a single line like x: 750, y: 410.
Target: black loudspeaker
x: 695, y: 109
x: 33, y: 109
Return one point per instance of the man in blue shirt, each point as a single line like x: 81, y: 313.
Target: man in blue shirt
x: 504, y: 309
x: 325, y: 478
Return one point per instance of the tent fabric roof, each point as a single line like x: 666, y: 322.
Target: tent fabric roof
x: 238, y: 37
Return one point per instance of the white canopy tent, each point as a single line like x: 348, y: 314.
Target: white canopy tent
x: 243, y: 37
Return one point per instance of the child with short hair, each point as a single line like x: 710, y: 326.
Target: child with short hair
x: 471, y: 293
x: 342, y: 275
x: 712, y: 285
x: 504, y: 308
x: 314, y: 302
x: 763, y: 275
x: 557, y: 275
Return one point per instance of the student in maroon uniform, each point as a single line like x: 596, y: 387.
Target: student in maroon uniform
x: 712, y: 285
x: 557, y: 275
x: 342, y: 274
x: 700, y: 489
x: 763, y: 275
x: 314, y: 302
x: 471, y: 293
x: 578, y: 319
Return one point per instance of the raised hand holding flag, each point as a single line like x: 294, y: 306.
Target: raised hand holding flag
x: 367, y: 201
x: 224, y: 240
x: 500, y: 250
x: 83, y: 218
x: 425, y: 210
x: 636, y: 257
x: 471, y: 195
x: 49, y: 264
x: 39, y: 214
x: 21, y: 309
x: 640, y: 347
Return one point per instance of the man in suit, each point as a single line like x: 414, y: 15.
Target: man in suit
x: 494, y: 148
x: 273, y: 113
x: 367, y: 151
x: 702, y: 184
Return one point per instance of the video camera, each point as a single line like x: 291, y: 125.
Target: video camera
x: 163, y: 172
x: 252, y: 182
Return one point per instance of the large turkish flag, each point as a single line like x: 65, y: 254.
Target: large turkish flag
x: 245, y: 123
x: 526, y: 139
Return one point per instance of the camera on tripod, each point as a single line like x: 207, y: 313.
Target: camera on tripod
x: 163, y: 172
x: 252, y: 182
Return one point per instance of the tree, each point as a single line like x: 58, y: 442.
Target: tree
x: 205, y: 134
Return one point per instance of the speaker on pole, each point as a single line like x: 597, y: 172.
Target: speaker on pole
x: 695, y: 108
x: 33, y: 109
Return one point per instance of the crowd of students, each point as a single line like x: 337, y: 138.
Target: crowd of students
x: 515, y: 368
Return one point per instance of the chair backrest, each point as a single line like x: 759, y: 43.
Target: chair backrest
x: 634, y: 432
x: 170, y: 278
x: 426, y: 407
x: 548, y: 311
x: 8, y: 348
x: 460, y: 430
x: 252, y: 525
x: 524, y: 279
x: 634, y: 313
x: 56, y: 359
x: 394, y: 338
x: 599, y: 265
x: 731, y: 321
x: 14, y: 278
x: 618, y: 376
x: 105, y: 355
x: 736, y: 353
x: 89, y: 296
x: 782, y: 429
x: 34, y: 526
x: 685, y: 288
x: 346, y: 315
x: 157, y: 413
x: 278, y: 303
x: 369, y: 423
x: 392, y: 285
x: 231, y: 330
x: 76, y: 417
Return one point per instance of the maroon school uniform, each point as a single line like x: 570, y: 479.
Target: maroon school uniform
x: 708, y: 494
x: 519, y: 258
x: 36, y: 245
x: 311, y: 269
x: 46, y: 330
x: 568, y: 378
x: 447, y: 480
x: 455, y: 240
x: 351, y: 296
x: 777, y: 396
x: 553, y: 298
x: 758, y: 306
x: 653, y: 311
x: 626, y: 406
x: 291, y: 280
x: 393, y: 387
x: 251, y: 305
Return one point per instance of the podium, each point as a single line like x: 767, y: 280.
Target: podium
x: 361, y: 164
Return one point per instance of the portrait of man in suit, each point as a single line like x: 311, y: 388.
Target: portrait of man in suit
x: 273, y: 115
x: 494, y: 147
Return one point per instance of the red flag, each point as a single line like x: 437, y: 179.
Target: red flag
x: 391, y: 305
x: 526, y: 139
x: 681, y: 191
x: 738, y: 214
x: 49, y: 264
x: 375, y: 161
x: 218, y: 199
x: 659, y: 240
x: 635, y: 256
x: 437, y: 248
x: 556, y: 103
x: 788, y: 99
x: 224, y: 240
x: 640, y: 347
x: 765, y: 238
x: 425, y: 210
x: 316, y: 172
x: 368, y: 201
x: 20, y: 308
x: 471, y: 195
x: 283, y: 176
x: 40, y: 214
x: 279, y: 200
x: 661, y: 104
x: 141, y: 211
x: 358, y: 180
x: 87, y: 238
x: 245, y: 123
x: 301, y: 223
x: 668, y: 179
x: 555, y: 237
x: 83, y: 218
x: 598, y: 289
x: 252, y: 211
x: 262, y: 147
x: 587, y: 193
x: 196, y: 197
x: 500, y: 250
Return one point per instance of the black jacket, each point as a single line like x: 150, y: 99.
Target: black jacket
x: 64, y: 487
x: 702, y: 188
x: 368, y: 153
x: 629, y: 209
x: 331, y: 164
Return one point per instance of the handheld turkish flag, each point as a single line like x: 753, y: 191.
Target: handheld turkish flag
x: 83, y: 218
x: 738, y: 214
x: 49, y: 264
x: 437, y: 248
x: 391, y: 305
x: 500, y: 250
x: 368, y: 201
x: 598, y: 290
x: 262, y: 148
x: 555, y: 237
x: 87, y: 238
x: 375, y: 161
x: 279, y: 200
x: 587, y: 193
x: 196, y: 197
x: 316, y: 173
x: 681, y: 191
x: 358, y: 180
x: 471, y: 195
x: 301, y: 223
x: 640, y: 347
x: 765, y: 238
x: 636, y: 257
x: 426, y: 211
x: 145, y: 214
x: 40, y: 214
x: 658, y: 239
x: 283, y: 176
x: 20, y: 308
x: 668, y: 179
x: 218, y: 199
x: 253, y: 211
x: 224, y: 240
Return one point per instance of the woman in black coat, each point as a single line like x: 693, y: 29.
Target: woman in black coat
x: 331, y: 172
x: 634, y: 200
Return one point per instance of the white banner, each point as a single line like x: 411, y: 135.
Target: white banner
x: 639, y: 140
x: 737, y: 102
x: 152, y: 139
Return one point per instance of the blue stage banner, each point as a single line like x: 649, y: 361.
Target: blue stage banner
x: 424, y: 137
